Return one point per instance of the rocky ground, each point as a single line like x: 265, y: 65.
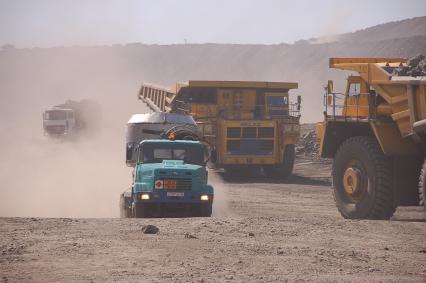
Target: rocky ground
x: 262, y: 231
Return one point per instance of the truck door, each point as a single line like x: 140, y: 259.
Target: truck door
x: 356, y: 98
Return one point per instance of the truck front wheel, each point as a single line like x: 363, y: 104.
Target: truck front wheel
x: 362, y: 184
x: 139, y: 211
x: 422, y: 185
x: 206, y: 210
x: 283, y: 170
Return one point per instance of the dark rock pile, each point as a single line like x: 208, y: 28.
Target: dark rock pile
x: 416, y: 66
x: 308, y: 145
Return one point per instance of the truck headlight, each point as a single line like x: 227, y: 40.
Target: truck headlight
x: 204, y: 197
x: 145, y: 196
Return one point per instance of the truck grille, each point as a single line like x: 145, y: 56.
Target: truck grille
x: 182, y: 184
x: 250, y: 147
x: 55, y: 129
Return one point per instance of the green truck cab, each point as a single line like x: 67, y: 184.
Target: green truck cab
x: 170, y: 179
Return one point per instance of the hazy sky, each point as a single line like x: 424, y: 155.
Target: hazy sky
x: 44, y: 23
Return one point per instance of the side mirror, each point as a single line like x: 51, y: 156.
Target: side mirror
x: 131, y: 148
x: 330, y: 86
x: 207, y: 155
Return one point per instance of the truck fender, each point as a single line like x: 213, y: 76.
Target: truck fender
x: 209, y: 189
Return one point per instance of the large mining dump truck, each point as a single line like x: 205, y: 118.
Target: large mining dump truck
x: 376, y: 133
x: 250, y: 125
x: 169, y: 158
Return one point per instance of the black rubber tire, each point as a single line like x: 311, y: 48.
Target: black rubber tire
x: 378, y: 202
x: 288, y: 162
x: 406, y: 172
x: 125, y: 211
x: 139, y: 211
x: 422, y: 185
x: 206, y: 210
x: 284, y: 170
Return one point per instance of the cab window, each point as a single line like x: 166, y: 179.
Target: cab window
x: 156, y: 153
x: 56, y: 115
x: 354, y: 89
x: 277, y: 101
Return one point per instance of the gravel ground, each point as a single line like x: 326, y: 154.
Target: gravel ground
x: 262, y: 231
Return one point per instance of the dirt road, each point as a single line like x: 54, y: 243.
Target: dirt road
x: 262, y: 231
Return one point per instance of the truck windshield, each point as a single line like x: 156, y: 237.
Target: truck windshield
x: 56, y: 115
x: 156, y: 153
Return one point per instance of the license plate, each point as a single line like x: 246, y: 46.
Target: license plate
x: 169, y: 184
x: 175, y: 194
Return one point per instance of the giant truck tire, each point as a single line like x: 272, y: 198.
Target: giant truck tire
x: 362, y: 180
x: 125, y: 211
x: 422, y: 185
x: 282, y: 171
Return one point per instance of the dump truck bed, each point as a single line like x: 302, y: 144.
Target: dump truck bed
x: 159, y: 98
x: 406, y: 95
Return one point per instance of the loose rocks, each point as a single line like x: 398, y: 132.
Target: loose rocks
x: 150, y: 229
x: 189, y: 236
x: 308, y: 144
x: 416, y: 66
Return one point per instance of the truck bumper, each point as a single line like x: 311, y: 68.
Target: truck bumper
x: 172, y: 196
x: 160, y: 204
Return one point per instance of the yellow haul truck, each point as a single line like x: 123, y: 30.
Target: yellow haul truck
x: 249, y: 124
x: 375, y: 131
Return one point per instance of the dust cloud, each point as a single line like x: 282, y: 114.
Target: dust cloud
x: 221, y: 197
x: 79, y: 177
x: 44, y: 177
x: 41, y: 176
x: 48, y: 178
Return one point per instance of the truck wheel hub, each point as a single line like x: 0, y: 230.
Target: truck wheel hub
x: 352, y: 181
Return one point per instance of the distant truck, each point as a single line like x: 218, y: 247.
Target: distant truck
x: 170, y: 175
x: 376, y: 133
x: 58, y: 121
x: 70, y: 118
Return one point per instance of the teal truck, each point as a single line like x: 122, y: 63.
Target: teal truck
x: 169, y: 177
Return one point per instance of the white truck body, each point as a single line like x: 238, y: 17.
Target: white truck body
x: 58, y: 121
